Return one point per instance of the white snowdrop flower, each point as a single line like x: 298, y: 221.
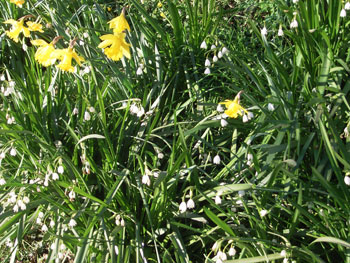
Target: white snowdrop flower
x: 87, y: 70
x: 21, y: 204
x: 122, y: 222
x: 295, y: 1
x: 52, y: 223
x: 40, y: 215
x: 346, y: 134
x: 60, y: 256
x: 92, y: 109
x: 250, y: 115
x: 270, y: 107
x: 207, y: 71
x: 44, y: 228
x: 60, y: 169
x: 224, y: 51
x: 263, y: 213
x: 241, y: 193
x: 72, y: 223
x: 117, y: 220
x: 223, y: 123
x: 220, y: 108
x: 263, y: 31
x: 26, y: 200
x: 139, y: 71
x: 13, y: 197
x: 81, y: 42
x: 15, y: 208
x: 2, y: 181
x: 86, y: 35
x: 245, y: 118
x: 232, y: 251
x: 134, y: 109
x: 53, y: 246
x: 217, y: 159
x: 294, y: 23
x: 222, y: 255
x: 116, y: 250
x: 75, y: 111
x: 160, y: 155
x: 87, y: 116
x: 218, y: 199
x: 220, y: 55
x: 347, y: 6
x: 146, y: 180
x: 204, y: 45
x: 280, y: 32
x: 11, y: 120
x: 183, y: 207
x: 347, y: 180
x: 63, y: 247
x: 55, y: 176
x: 2, y: 77
x: 249, y: 157
x: 12, y: 84
x: 212, y: 47
x: 343, y: 13
x: 24, y: 47
x: 215, y: 58
x: 13, y: 152
x: 285, y: 260
x: 283, y: 253
x: 190, y: 204
x: 71, y: 195
x: 141, y: 112
x: 207, y: 63
x: 2, y: 155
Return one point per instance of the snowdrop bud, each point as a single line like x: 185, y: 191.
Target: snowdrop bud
x: 280, y: 32
x: 190, y: 204
x: 245, y: 118
x: 207, y: 71
x: 343, y: 13
x: 116, y: 250
x: 347, y: 180
x: 160, y: 155
x: 2, y: 77
x: 207, y: 63
x: 139, y: 71
x: 24, y: 47
x: 250, y: 115
x: 224, y: 51
x: 283, y: 253
x: 216, y: 159
x: 122, y: 222
x: 183, y: 207
x: 87, y: 116
x: 13, y: 152
x: 204, y: 45
x: 347, y: 6
x: 212, y: 47
x: 223, y: 123
x: 264, y: 31
x: 146, y: 180
x: 270, y: 107
x: 215, y: 58
x: 217, y: 199
x: 263, y: 213
x: 220, y: 54
x: 232, y: 252
x: 60, y: 169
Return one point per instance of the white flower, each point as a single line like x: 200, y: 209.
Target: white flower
x: 139, y: 71
x: 75, y: 111
x: 13, y: 152
x: 347, y: 6
x: 215, y: 58
x: 160, y: 155
x: 12, y: 84
x: 92, y: 109
x: 2, y: 77
x: 2, y: 181
x: 241, y: 193
x: 40, y: 215
x: 146, y: 180
x: 232, y: 251
x: 140, y: 112
x: 346, y: 134
x: 285, y: 260
x: 221, y: 255
x: 216, y: 159
x: 207, y: 63
x: 183, y: 207
x: 207, y: 71
x: 3, y: 154
x: 21, y: 204
x: 294, y: 23
x: 280, y: 32
x: 71, y: 195
x: 263, y: 213
x: 220, y: 55
x: 60, y: 169
x: 220, y: 108
x: 270, y: 107
x: 343, y: 13
x: 13, y: 197
x: 217, y: 199
x: 283, y: 253
x: 224, y: 51
x: 190, y: 204
x: 264, y: 31
x: 86, y: 35
x: 15, y: 208
x: 44, y: 228
x: 87, y: 116
x: 295, y: 1
x: 212, y: 47
x: 116, y: 250
x: 52, y: 223
x: 204, y: 45
x: 26, y: 200
x: 223, y: 123
x: 250, y: 115
x: 134, y: 109
x: 117, y: 220
x: 55, y: 176
x: 245, y: 118
x: 72, y: 223
x: 86, y: 70
x: 347, y: 180
x: 122, y: 222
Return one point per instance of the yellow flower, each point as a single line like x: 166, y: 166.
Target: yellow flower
x: 66, y: 55
x: 233, y: 109
x: 162, y: 14
x: 32, y: 26
x: 44, y: 54
x: 17, y: 2
x: 17, y: 28
x: 159, y: 5
x: 118, y: 47
x: 119, y: 24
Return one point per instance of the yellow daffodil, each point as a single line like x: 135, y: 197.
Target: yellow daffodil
x: 66, y: 55
x: 119, y: 24
x: 118, y: 47
x: 32, y: 26
x: 17, y: 2
x: 17, y: 28
x: 44, y: 54
x: 233, y: 108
